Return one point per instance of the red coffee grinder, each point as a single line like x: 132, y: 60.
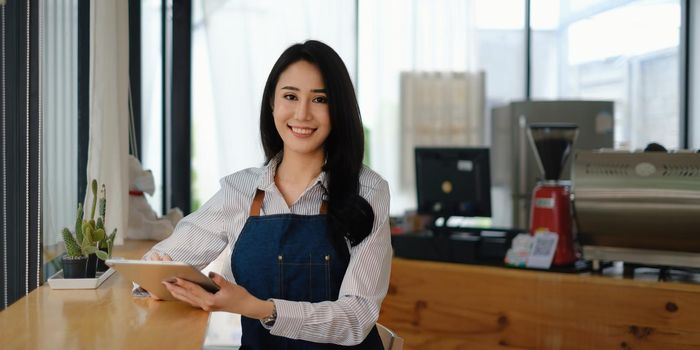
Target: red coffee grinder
x: 550, y: 209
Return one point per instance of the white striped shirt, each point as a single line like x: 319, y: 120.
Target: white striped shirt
x: 200, y: 237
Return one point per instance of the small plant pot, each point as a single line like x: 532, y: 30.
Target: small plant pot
x: 74, y: 267
x: 91, y: 267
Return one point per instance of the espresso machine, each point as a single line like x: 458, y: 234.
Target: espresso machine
x: 642, y: 208
x: 551, y: 198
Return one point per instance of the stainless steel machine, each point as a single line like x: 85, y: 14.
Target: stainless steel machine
x: 638, y: 207
x: 514, y: 169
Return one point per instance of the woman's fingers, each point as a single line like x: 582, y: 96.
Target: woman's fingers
x: 157, y: 257
x: 177, y: 293
x: 231, y: 297
x: 203, y: 298
x: 153, y: 256
x: 194, y: 293
x: 218, y: 279
x: 180, y: 293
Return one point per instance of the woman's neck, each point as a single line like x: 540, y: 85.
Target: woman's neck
x: 298, y: 170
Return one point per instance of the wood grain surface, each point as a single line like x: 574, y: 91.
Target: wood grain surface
x: 452, y: 306
x: 104, y: 318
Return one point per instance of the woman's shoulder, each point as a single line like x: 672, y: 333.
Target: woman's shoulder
x: 370, y: 181
x: 245, y: 180
x: 375, y: 190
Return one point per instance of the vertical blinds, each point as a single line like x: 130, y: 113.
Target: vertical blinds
x: 26, y: 140
x: 4, y: 162
x: 21, y: 150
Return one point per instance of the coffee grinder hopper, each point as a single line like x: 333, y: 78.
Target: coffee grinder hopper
x: 552, y: 143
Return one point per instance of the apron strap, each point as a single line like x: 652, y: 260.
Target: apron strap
x: 258, y: 201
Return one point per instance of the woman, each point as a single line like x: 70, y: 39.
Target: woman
x: 309, y: 230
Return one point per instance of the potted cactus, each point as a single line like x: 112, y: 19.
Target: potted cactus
x: 105, y: 242
x: 83, y: 249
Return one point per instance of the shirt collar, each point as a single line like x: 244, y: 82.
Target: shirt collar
x: 266, y: 180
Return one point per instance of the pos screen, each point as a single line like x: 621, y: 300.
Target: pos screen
x: 453, y: 181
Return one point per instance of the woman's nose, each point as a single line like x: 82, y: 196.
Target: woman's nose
x: 302, y: 111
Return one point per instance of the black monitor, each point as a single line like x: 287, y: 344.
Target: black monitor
x: 453, y: 181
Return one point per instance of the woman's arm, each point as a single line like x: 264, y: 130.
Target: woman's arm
x: 348, y: 320
x: 198, y: 238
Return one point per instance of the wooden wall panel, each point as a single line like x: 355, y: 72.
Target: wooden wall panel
x: 451, y: 306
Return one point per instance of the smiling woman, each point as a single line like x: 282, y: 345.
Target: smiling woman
x: 300, y: 110
x: 309, y: 231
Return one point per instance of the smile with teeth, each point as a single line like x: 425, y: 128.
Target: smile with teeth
x: 302, y: 131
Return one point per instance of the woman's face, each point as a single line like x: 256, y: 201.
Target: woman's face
x: 300, y: 109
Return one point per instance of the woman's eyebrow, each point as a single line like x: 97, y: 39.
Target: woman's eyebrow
x: 293, y: 88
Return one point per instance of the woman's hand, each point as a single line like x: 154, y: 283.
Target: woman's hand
x: 230, y: 297
x: 154, y: 256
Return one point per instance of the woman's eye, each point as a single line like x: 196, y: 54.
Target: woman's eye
x: 320, y: 99
x: 289, y: 97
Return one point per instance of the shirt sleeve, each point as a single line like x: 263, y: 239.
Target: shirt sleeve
x: 348, y: 320
x: 198, y: 238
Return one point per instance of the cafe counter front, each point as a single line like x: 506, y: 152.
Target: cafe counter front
x: 435, y: 305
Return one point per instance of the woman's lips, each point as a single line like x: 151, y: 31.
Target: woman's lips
x: 301, y: 132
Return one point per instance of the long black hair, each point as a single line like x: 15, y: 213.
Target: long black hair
x: 349, y: 215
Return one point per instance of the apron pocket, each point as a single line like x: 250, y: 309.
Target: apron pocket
x: 304, y: 278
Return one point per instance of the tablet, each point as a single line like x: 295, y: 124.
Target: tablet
x: 150, y: 275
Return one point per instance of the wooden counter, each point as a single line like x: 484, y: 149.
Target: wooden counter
x: 431, y: 305
x: 452, y: 306
x: 104, y: 318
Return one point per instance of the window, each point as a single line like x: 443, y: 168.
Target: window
x: 624, y: 51
x: 152, y: 97
x: 436, y: 36
x: 59, y: 94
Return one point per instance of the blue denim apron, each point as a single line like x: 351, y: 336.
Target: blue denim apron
x: 290, y: 257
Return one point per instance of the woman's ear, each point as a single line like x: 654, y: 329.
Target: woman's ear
x: 272, y: 104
